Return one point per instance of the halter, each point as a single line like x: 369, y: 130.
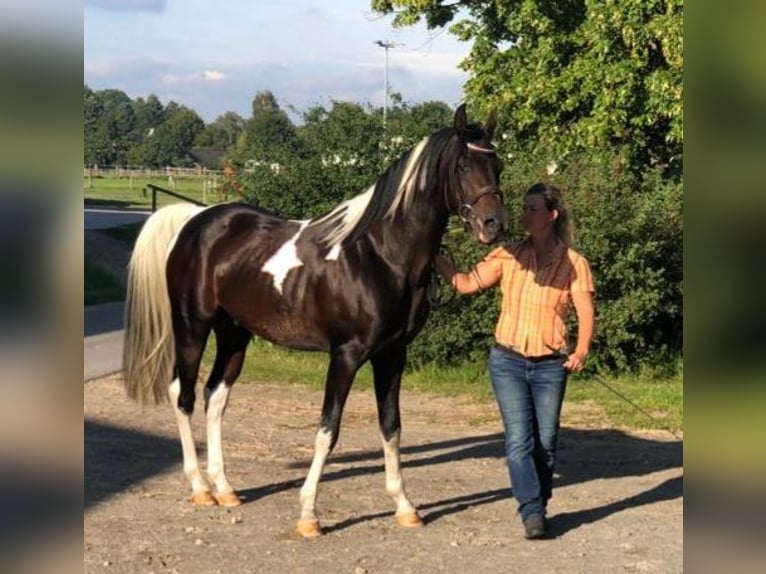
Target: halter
x: 465, y: 211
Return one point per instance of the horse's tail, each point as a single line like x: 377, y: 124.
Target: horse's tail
x: 149, y: 355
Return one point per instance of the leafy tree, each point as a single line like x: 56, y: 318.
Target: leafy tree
x: 109, y: 121
x: 591, y: 94
x: 169, y: 143
x: 223, y: 133
x: 268, y: 134
x: 572, y: 75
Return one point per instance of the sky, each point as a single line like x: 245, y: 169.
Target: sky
x: 213, y: 56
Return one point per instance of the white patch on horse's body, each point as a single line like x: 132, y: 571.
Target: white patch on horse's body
x: 308, y: 493
x: 284, y: 259
x: 334, y: 253
x: 344, y: 217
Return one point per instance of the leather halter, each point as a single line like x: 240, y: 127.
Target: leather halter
x: 465, y: 210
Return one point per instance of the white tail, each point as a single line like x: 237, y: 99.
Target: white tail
x: 149, y: 355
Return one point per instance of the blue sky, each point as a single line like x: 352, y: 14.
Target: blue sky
x: 214, y: 56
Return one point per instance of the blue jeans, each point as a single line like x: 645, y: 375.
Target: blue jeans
x: 529, y: 395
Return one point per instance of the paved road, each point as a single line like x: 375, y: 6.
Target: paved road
x: 103, y: 218
x: 102, y: 348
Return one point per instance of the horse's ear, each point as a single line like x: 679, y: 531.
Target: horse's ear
x: 460, y: 119
x: 489, y: 127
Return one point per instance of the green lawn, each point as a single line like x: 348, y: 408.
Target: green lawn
x: 129, y: 192
x: 100, y: 286
x: 663, y: 399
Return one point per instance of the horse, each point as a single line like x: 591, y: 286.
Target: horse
x: 353, y: 282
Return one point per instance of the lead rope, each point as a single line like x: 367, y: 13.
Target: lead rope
x: 659, y: 423
x: 434, y: 284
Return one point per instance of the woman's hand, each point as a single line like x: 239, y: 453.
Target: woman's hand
x: 575, y: 362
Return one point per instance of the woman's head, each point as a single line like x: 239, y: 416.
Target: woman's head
x: 542, y: 208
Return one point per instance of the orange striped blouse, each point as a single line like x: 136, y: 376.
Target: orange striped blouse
x: 535, y: 301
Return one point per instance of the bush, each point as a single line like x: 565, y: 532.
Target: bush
x: 631, y: 232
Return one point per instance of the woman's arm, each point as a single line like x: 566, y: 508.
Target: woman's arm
x: 483, y: 276
x: 583, y: 303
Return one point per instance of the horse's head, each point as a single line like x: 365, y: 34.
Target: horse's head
x: 474, y: 193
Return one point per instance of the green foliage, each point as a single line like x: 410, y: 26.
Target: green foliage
x: 334, y: 155
x: 223, y: 134
x: 593, y: 92
x: 173, y: 138
x: 575, y: 75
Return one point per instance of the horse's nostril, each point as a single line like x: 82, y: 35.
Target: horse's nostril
x: 491, y: 225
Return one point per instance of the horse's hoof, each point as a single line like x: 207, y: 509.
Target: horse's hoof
x: 409, y: 520
x: 204, y: 498
x: 308, y: 528
x: 228, y: 499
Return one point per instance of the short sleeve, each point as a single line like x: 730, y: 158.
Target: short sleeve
x: 497, y: 253
x: 582, y: 280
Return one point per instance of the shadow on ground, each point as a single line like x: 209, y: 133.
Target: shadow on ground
x: 584, y: 455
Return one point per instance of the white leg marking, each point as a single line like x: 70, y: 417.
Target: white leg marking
x: 216, y: 406
x: 284, y: 259
x: 191, y: 467
x: 394, y: 481
x: 309, y: 489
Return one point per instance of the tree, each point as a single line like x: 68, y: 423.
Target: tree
x: 590, y: 94
x: 572, y: 75
x: 171, y: 141
x: 268, y: 135
x: 223, y: 133
x: 109, y: 122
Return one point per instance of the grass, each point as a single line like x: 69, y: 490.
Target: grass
x: 129, y: 191
x: 663, y: 399
x: 100, y: 286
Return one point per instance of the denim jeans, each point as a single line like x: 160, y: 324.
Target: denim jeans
x: 529, y: 395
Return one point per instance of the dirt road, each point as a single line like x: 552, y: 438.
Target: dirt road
x: 617, y: 506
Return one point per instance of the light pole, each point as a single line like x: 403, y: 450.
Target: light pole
x: 386, y: 45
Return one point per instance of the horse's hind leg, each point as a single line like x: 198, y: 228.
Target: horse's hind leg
x: 190, y: 343
x: 231, y: 347
x: 344, y: 362
x: 387, y: 370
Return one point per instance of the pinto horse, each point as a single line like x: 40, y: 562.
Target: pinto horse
x: 352, y: 282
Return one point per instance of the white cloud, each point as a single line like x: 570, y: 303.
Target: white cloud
x: 213, y: 75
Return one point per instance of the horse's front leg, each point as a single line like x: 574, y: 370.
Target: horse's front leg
x: 387, y: 369
x: 344, y: 362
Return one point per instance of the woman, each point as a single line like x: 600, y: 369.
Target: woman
x: 530, y: 360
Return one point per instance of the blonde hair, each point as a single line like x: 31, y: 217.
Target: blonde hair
x: 551, y: 195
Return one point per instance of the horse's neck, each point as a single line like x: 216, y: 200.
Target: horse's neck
x: 413, y: 241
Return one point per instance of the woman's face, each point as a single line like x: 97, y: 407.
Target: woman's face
x: 535, y: 217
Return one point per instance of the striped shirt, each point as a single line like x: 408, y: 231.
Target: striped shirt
x: 535, y: 301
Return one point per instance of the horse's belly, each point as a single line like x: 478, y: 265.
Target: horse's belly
x: 290, y: 332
